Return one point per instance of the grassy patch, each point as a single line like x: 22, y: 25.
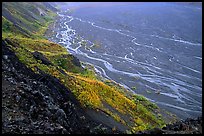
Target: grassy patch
x: 133, y: 110
x: 144, y: 101
x: 90, y: 92
x: 28, y: 22
x: 6, y: 25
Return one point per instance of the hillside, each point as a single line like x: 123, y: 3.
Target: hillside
x: 46, y: 90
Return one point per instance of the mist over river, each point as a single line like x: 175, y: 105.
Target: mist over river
x: 153, y: 49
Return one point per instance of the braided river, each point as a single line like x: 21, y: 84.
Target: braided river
x: 152, y: 49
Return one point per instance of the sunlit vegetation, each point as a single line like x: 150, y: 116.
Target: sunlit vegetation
x: 10, y: 30
x: 88, y: 73
x: 91, y: 92
x: 134, y: 111
x: 145, y: 102
x: 27, y: 21
x: 41, y: 45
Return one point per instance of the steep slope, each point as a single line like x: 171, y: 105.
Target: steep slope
x: 133, y: 112
x: 58, y: 79
x: 26, y: 19
x: 35, y: 103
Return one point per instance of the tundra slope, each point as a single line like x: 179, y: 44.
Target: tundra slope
x: 42, y: 87
x: 33, y: 103
x: 46, y: 110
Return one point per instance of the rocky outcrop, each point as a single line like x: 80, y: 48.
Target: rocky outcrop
x: 40, y: 56
x: 38, y: 103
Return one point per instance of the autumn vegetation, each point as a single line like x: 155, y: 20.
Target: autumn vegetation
x: 132, y: 110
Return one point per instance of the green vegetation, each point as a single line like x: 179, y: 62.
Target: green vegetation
x: 27, y: 19
x: 145, y: 102
x: 88, y: 73
x: 134, y: 111
x: 91, y: 92
x: 9, y: 30
x: 6, y: 25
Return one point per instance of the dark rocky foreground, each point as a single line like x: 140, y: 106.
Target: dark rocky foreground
x: 39, y: 103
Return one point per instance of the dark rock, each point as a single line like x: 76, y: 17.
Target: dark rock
x: 40, y: 101
x: 41, y: 57
x: 61, y: 117
x: 76, y: 61
x: 183, y: 127
x: 82, y: 117
x: 157, y: 131
x: 64, y: 131
x: 18, y: 98
x: 38, y: 94
x: 176, y: 128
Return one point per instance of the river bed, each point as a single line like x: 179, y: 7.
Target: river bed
x: 153, y: 49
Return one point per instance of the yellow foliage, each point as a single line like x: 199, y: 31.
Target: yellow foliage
x: 90, y: 92
x: 91, y: 100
